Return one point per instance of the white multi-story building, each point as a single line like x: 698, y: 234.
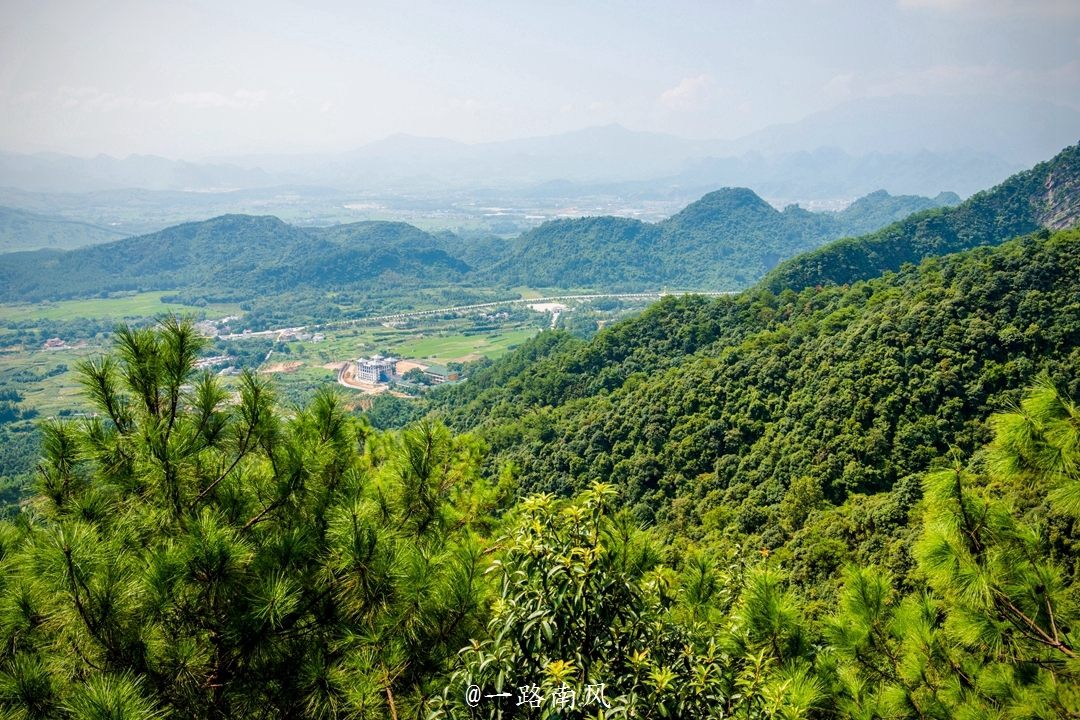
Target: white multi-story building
x: 375, y: 368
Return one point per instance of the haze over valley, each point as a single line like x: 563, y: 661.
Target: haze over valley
x: 823, y: 162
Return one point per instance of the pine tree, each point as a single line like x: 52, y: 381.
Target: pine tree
x: 195, y: 551
x: 993, y: 634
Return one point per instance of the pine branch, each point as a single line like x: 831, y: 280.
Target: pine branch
x: 1033, y: 631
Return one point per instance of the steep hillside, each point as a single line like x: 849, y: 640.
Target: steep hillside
x: 21, y: 230
x: 700, y: 409
x: 1048, y: 196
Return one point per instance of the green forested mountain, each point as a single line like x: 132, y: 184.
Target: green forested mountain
x: 237, y: 256
x: 879, y: 209
x: 22, y: 230
x: 724, y: 241
x: 1045, y: 196
x: 704, y: 412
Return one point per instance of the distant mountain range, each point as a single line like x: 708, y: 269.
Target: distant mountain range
x: 21, y: 230
x: 1017, y: 132
x: 807, y: 176
x: 725, y: 241
x: 905, y: 144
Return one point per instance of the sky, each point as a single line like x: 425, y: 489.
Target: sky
x: 192, y: 79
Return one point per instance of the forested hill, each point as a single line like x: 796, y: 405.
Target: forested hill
x: 236, y: 256
x: 724, y: 241
x: 704, y: 409
x: 1048, y: 196
x: 879, y: 209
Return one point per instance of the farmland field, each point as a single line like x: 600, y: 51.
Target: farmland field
x: 459, y: 347
x: 116, y: 308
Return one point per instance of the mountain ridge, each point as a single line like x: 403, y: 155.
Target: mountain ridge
x: 993, y: 136
x: 242, y: 256
x: 724, y: 241
x: 1048, y: 196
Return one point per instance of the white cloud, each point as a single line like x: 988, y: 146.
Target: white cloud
x: 254, y: 98
x: 241, y: 98
x: 92, y: 99
x: 108, y: 101
x: 698, y: 93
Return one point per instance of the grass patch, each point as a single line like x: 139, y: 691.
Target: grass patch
x: 133, y: 306
x: 455, y: 347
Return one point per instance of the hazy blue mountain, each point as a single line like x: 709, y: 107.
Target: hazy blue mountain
x: 905, y: 144
x: 615, y: 160
x: 1022, y: 132
x: 51, y: 172
x: 830, y: 172
x: 21, y: 230
x: 137, y: 211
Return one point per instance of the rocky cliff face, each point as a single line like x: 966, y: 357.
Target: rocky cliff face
x: 1059, y: 207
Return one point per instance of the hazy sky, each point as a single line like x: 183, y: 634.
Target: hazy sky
x: 191, y: 79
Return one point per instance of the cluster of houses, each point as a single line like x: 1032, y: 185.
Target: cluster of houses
x: 300, y: 336
x: 58, y: 344
x: 379, y: 369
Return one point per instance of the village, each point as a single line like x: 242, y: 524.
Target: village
x: 406, y: 354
